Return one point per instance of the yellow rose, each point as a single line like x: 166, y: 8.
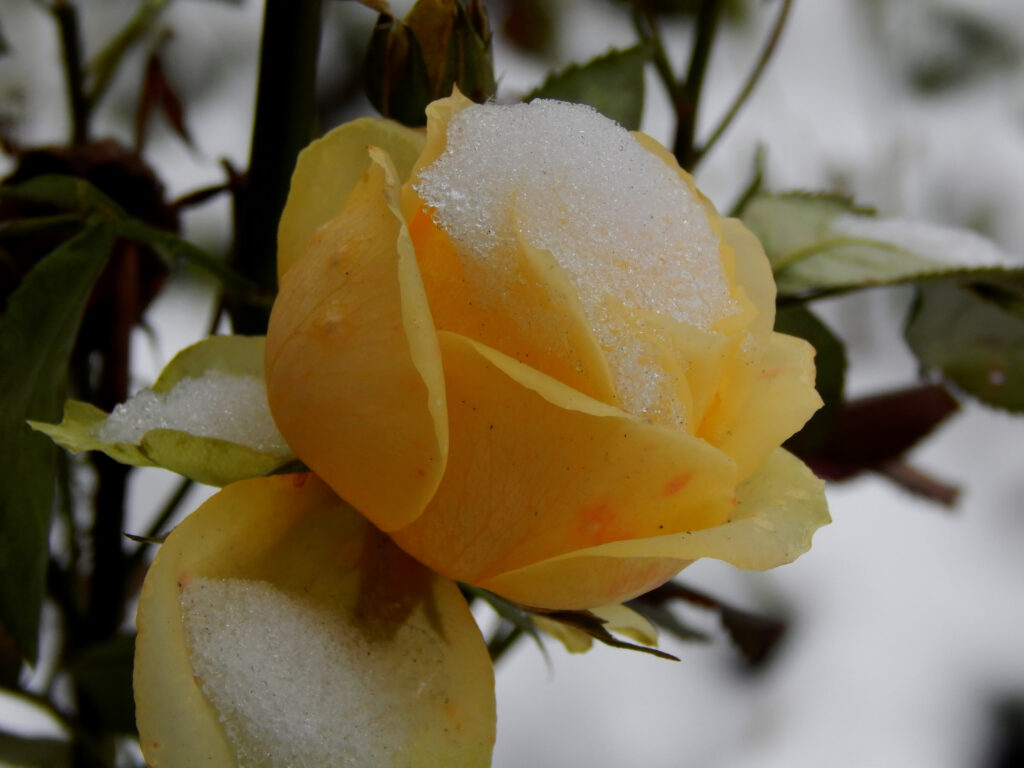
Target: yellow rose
x: 527, y: 351
x: 542, y: 410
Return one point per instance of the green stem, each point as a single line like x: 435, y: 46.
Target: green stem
x: 504, y: 639
x: 646, y: 24
x: 71, y: 52
x: 751, y: 82
x: 690, y: 93
x: 285, y: 104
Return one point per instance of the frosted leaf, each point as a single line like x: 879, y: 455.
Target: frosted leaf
x: 622, y: 224
x: 222, y: 405
x: 947, y: 246
x: 298, y: 684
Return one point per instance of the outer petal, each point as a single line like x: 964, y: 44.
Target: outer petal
x: 780, y: 401
x: 354, y: 376
x: 328, y: 170
x: 537, y: 469
x: 288, y: 538
x: 777, y: 511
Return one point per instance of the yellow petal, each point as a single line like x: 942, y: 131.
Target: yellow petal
x: 532, y: 313
x: 624, y: 620
x: 575, y: 640
x: 777, y: 511
x: 778, y: 400
x: 277, y: 621
x: 354, y: 378
x: 537, y: 469
x: 328, y: 170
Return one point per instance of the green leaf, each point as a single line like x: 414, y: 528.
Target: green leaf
x: 67, y: 193
x: 102, y: 676
x: 973, y: 332
x: 170, y: 247
x: 830, y: 372
x: 209, y: 460
x: 104, y: 66
x: 820, y: 244
x: 36, y: 337
x: 613, y: 84
x: 76, y: 430
x: 30, y: 751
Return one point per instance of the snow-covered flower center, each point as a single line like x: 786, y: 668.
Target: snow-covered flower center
x: 625, y: 228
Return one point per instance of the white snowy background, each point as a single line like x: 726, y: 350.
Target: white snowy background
x: 907, y: 624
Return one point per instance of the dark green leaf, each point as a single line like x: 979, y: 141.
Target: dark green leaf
x: 510, y: 612
x: 104, y: 66
x: 67, y: 193
x: 613, y: 84
x: 830, y: 372
x: 755, y: 635
x: 29, y: 751
x: 973, y: 332
x: 37, y: 333
x: 172, y: 247
x: 820, y: 244
x: 102, y: 676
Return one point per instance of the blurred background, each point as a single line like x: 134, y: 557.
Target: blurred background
x: 905, y: 622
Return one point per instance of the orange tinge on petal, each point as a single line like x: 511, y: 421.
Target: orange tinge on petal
x: 537, y: 470
x: 278, y: 627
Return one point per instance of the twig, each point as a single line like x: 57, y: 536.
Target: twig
x: 749, y: 85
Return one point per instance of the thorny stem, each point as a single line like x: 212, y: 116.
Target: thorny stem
x: 285, y: 105
x: 748, y: 87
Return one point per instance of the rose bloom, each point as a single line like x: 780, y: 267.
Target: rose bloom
x: 519, y: 351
